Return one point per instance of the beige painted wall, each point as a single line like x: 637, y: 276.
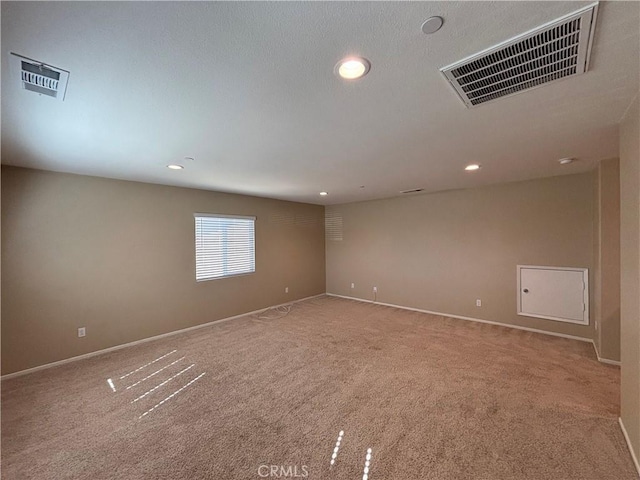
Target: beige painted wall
x: 442, y: 251
x: 596, y: 271
x: 630, y: 273
x: 118, y: 258
x: 606, y: 259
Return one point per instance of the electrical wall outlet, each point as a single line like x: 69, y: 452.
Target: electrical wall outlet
x: 375, y: 289
x: 286, y: 289
x: 82, y: 331
x: 478, y: 303
x: 353, y: 285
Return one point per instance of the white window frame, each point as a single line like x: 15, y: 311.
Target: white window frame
x: 225, y: 263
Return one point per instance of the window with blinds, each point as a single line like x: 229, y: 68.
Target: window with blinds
x: 225, y: 246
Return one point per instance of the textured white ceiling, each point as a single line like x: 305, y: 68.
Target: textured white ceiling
x: 248, y: 90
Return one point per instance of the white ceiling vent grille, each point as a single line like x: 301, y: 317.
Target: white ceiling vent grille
x: 39, y: 77
x: 553, y: 51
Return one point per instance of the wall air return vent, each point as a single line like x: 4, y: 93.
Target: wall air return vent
x: 39, y: 77
x: 553, y: 51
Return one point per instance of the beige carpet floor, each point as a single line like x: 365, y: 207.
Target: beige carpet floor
x: 433, y: 397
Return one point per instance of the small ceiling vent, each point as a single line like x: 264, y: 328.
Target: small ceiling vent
x: 39, y: 77
x: 553, y: 51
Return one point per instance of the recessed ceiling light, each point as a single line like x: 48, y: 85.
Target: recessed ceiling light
x: 352, y: 68
x: 432, y: 25
x: 175, y: 166
x: 565, y: 161
x: 324, y: 194
x: 472, y: 167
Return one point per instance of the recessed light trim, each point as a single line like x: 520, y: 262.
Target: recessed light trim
x: 175, y: 166
x: 324, y: 194
x: 352, y: 68
x: 566, y: 161
x: 473, y: 167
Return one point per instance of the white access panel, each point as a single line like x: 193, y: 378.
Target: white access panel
x: 554, y: 293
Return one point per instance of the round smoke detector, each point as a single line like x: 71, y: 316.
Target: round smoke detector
x: 432, y: 25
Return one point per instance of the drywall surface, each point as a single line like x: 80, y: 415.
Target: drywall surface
x: 608, y: 208
x: 442, y: 251
x: 630, y: 273
x: 596, y: 271
x: 117, y: 257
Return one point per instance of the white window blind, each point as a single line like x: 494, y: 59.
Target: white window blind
x: 225, y: 246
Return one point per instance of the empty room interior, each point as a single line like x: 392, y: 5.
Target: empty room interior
x: 325, y: 240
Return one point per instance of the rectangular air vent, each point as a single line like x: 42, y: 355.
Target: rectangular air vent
x: 553, y: 51
x: 39, y: 77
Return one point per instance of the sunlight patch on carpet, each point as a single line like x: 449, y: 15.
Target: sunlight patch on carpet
x: 163, y: 383
x: 334, y: 455
x: 367, y: 464
x: 171, y: 396
x: 154, y: 373
x: 110, y: 382
x: 147, y: 364
x: 163, y: 380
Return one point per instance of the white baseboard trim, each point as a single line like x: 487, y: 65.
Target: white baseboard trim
x: 626, y: 438
x: 471, y: 319
x: 609, y: 362
x: 145, y: 340
x: 604, y: 360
